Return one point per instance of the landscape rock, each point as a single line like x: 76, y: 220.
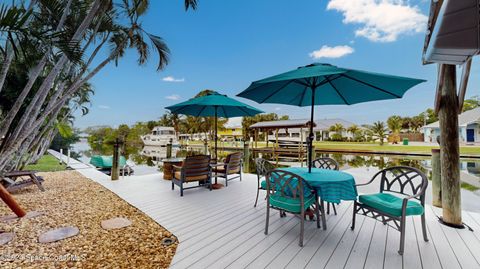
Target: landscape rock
x: 29, y: 215
x: 116, y: 223
x: 58, y: 234
x: 5, y: 238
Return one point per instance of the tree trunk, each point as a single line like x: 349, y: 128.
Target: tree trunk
x: 33, y: 76
x: 450, y: 149
x: 42, y: 93
x: 6, y: 64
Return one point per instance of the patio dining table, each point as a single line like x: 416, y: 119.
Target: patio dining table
x: 331, y: 185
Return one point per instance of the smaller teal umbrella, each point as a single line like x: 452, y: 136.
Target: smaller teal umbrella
x: 214, y: 105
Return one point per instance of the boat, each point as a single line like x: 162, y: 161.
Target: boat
x: 104, y: 164
x: 161, y: 136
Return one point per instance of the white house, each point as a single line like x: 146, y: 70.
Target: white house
x: 468, y: 124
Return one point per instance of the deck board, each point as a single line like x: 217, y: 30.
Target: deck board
x: 221, y: 228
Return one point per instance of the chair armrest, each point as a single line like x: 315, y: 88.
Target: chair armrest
x: 413, y: 196
x: 370, y: 181
x: 176, y: 167
x: 362, y: 184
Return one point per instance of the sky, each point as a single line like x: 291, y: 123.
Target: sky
x: 225, y: 45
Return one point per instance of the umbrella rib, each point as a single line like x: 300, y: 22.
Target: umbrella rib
x: 254, y: 88
x: 370, y: 85
x: 224, y: 112
x: 275, y: 92
x: 338, y: 92
x: 200, y: 112
x: 303, y: 96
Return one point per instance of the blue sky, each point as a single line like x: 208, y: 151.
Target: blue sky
x: 225, y: 45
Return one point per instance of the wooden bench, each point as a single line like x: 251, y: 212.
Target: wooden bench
x: 16, y: 180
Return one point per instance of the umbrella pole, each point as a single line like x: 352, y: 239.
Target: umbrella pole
x: 216, y: 156
x: 310, y: 137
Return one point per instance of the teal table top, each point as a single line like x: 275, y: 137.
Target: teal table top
x: 331, y: 185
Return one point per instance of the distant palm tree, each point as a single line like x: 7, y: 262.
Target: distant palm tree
x: 354, y: 130
x: 395, y: 125
x: 379, y: 131
x: 337, y: 128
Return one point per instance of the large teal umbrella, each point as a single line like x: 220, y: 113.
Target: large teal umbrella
x: 214, y: 105
x: 325, y: 84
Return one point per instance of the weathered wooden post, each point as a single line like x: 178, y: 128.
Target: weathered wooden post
x: 246, y: 157
x: 436, y: 178
x: 450, y: 149
x: 60, y: 161
x: 68, y: 157
x: 169, y: 149
x: 205, y: 146
x: 116, y: 160
x: 11, y: 203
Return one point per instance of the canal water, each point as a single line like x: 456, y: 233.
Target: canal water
x: 147, y: 160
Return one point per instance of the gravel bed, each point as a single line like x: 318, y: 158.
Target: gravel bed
x: 73, y: 200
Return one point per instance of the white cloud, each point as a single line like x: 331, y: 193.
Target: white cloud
x: 103, y: 107
x: 173, y: 97
x: 381, y: 20
x: 331, y: 52
x: 172, y: 79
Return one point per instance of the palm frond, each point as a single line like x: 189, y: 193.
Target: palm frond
x: 162, y: 49
x: 190, y: 4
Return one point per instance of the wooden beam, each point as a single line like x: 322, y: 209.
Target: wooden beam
x: 11, y: 203
x: 463, y: 84
x: 450, y: 148
x: 438, y: 93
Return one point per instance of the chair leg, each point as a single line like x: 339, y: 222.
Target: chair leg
x: 267, y: 217
x: 334, y: 209
x: 322, y: 210
x: 424, y: 228
x: 302, y: 224
x: 354, y: 215
x: 317, y: 211
x: 226, y: 180
x: 328, y: 208
x: 173, y: 185
x: 258, y: 192
x: 210, y: 184
x: 402, y: 235
x: 181, y: 189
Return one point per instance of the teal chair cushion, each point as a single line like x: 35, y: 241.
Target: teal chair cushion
x: 291, y: 204
x: 390, y: 204
x: 263, y: 184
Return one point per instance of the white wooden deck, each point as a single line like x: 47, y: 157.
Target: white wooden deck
x: 221, y: 229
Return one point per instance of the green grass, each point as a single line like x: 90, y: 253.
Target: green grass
x: 373, y: 147
x: 388, y: 147
x: 47, y: 163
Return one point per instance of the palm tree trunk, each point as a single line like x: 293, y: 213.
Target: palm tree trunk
x: 9, y: 53
x: 6, y: 65
x: 33, y: 76
x: 35, y: 105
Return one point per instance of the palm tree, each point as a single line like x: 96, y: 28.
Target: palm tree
x: 395, y: 125
x: 55, y: 79
x: 337, y: 128
x: 379, y: 131
x: 354, y: 130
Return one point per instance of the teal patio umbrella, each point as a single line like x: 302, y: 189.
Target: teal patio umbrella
x: 214, y: 105
x: 325, y: 84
